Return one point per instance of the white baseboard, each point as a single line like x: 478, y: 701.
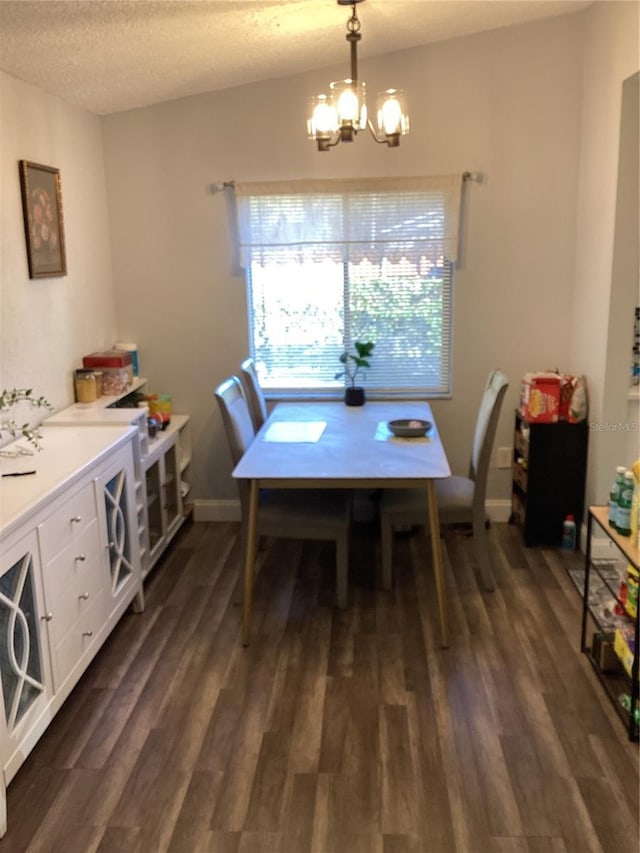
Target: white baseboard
x: 214, y: 510
x: 498, y: 510
x: 229, y: 510
x: 602, y: 547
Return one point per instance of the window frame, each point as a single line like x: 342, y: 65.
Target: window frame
x: 433, y: 248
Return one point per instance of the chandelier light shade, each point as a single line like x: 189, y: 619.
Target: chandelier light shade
x: 338, y: 116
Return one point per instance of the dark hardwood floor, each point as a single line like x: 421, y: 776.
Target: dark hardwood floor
x: 337, y: 731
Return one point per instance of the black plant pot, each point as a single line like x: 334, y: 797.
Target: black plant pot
x: 354, y: 396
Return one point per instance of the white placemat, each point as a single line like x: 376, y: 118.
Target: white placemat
x: 295, y: 431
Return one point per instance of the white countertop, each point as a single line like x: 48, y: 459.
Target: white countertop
x: 65, y: 456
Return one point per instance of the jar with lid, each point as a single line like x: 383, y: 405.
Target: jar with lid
x: 86, y: 387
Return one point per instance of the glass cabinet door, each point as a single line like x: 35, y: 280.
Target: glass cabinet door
x: 172, y: 499
x: 118, y: 530
x: 22, y: 670
x: 154, y: 506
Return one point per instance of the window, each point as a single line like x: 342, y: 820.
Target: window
x: 329, y: 263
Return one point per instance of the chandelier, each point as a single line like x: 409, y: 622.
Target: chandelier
x: 338, y: 116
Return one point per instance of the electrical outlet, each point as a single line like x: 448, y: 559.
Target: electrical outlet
x: 505, y: 455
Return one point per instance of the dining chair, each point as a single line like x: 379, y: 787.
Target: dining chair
x: 253, y: 392
x: 461, y: 500
x: 322, y: 514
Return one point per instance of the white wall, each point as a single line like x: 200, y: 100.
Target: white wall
x: 536, y: 108
x: 610, y: 56
x: 506, y: 103
x: 49, y: 324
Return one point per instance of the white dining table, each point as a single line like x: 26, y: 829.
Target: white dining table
x: 328, y: 445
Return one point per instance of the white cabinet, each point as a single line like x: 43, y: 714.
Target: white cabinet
x: 166, y: 470
x: 25, y: 675
x: 73, y: 580
x: 162, y: 467
x: 70, y: 566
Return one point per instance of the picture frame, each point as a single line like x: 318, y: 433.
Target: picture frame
x: 43, y: 219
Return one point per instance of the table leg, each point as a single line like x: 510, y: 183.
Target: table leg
x: 250, y: 559
x: 436, y: 549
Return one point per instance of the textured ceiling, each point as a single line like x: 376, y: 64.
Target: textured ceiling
x: 113, y: 55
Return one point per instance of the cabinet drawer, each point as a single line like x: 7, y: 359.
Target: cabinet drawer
x: 73, y: 583
x: 78, y: 641
x: 67, y: 522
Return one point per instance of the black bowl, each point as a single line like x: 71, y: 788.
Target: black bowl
x: 411, y: 428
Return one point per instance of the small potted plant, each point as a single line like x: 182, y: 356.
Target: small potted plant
x: 8, y: 423
x: 354, y: 362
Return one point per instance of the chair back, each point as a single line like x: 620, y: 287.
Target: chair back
x: 236, y: 417
x: 485, y: 431
x: 253, y: 392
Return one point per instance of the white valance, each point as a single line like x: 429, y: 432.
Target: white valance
x: 349, y: 219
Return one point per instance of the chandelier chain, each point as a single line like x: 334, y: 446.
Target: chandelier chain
x: 353, y: 24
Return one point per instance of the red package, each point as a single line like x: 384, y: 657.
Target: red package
x: 540, y: 398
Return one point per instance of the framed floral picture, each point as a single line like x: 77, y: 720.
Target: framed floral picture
x: 43, y: 220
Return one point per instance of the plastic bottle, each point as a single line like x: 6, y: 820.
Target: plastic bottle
x: 625, y: 498
x: 614, y: 496
x: 569, y: 534
x: 129, y: 346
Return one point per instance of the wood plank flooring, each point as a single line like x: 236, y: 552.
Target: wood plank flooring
x: 337, y: 731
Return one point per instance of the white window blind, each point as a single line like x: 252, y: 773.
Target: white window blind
x: 332, y: 262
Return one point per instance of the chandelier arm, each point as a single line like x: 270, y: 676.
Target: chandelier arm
x: 374, y: 134
x: 325, y: 144
x: 383, y: 141
x: 392, y: 139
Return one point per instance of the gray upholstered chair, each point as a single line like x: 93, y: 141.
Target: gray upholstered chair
x: 287, y: 513
x: 461, y: 500
x: 253, y: 392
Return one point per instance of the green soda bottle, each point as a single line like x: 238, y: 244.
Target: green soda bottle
x: 623, y: 520
x: 614, y: 496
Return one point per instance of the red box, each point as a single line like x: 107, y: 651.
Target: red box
x: 540, y: 398
x: 111, y: 358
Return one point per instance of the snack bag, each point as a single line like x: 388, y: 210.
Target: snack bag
x: 579, y: 406
x: 567, y: 386
x: 631, y: 603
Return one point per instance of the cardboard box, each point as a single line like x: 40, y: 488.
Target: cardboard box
x: 604, y: 655
x: 540, y: 398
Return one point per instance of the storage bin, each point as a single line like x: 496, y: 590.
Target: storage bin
x: 116, y: 380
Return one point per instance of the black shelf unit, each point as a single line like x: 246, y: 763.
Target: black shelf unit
x: 549, y: 471
x: 616, y: 677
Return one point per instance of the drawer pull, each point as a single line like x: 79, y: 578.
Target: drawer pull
x: 87, y: 633
x: 76, y: 518
x: 80, y: 558
x: 47, y: 617
x: 84, y: 596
